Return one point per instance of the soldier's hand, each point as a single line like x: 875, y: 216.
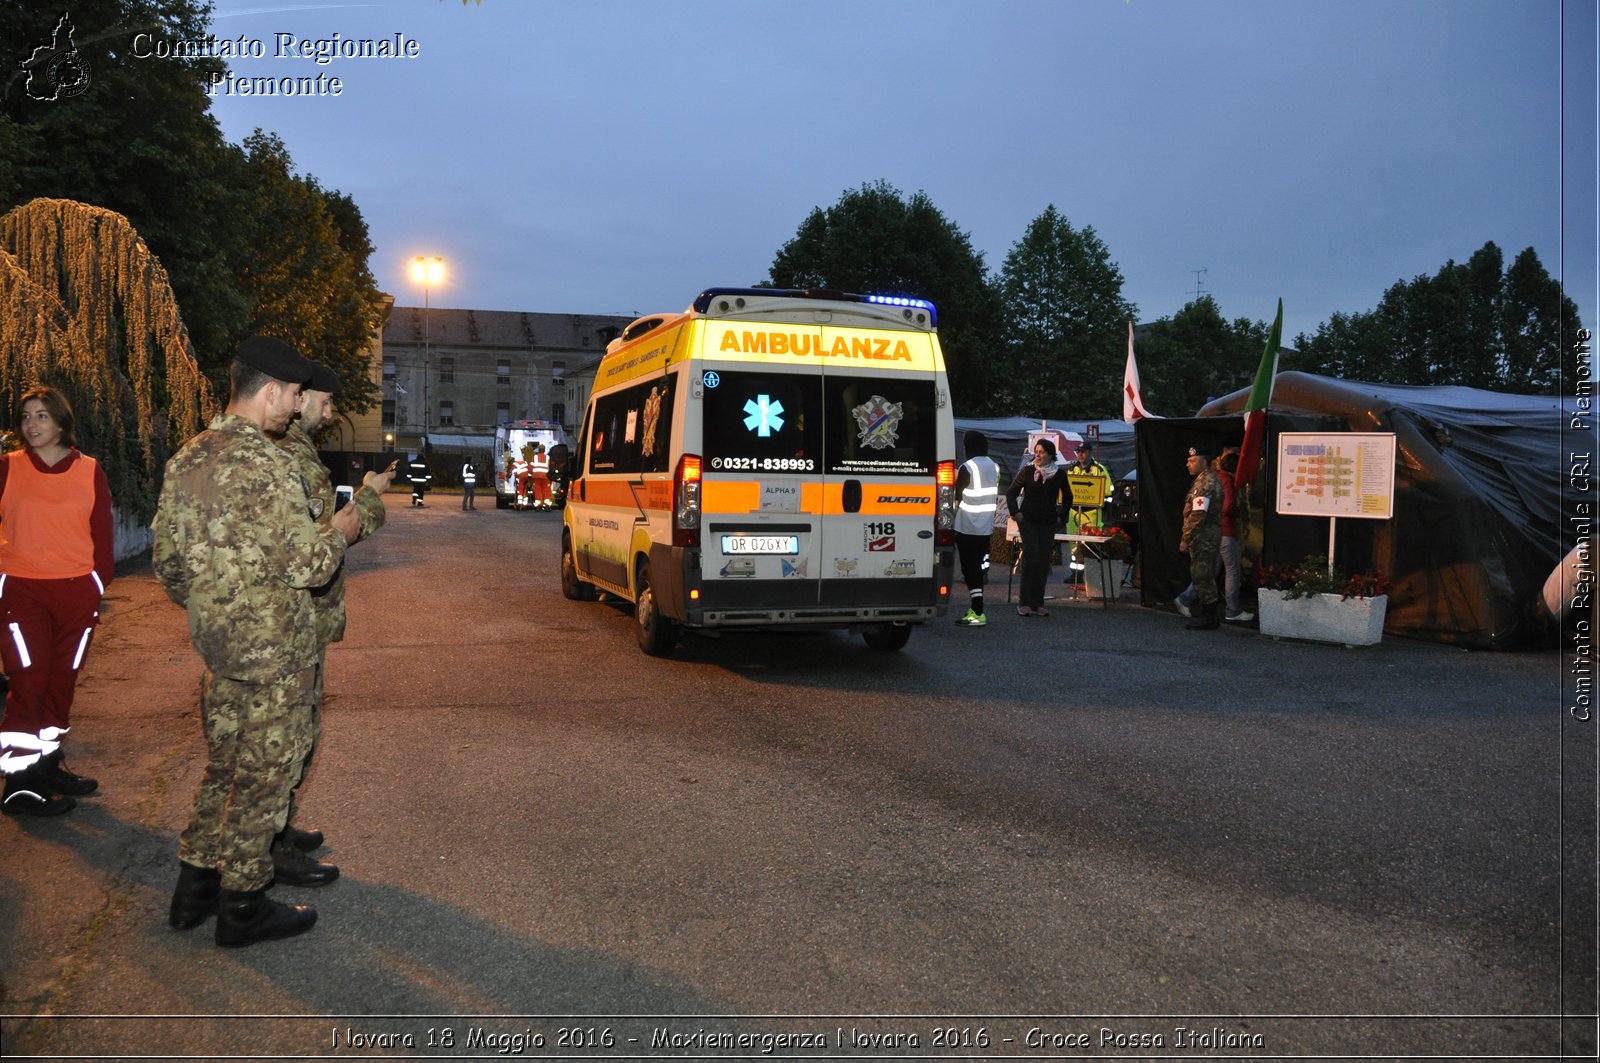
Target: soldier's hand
x: 380, y: 481
x: 348, y: 521
x: 1183, y: 548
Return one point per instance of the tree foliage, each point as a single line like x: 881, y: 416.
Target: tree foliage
x: 140, y: 141
x: 1065, y: 321
x: 303, y: 267
x: 88, y: 310
x: 1194, y: 356
x: 876, y: 240
x: 1477, y: 324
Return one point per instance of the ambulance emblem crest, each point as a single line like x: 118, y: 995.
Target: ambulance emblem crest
x: 879, y: 421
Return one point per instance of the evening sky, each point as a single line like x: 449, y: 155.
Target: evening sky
x: 611, y: 156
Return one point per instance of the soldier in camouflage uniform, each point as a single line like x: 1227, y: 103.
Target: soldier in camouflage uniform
x: 237, y: 548
x: 290, y: 863
x: 1202, y: 537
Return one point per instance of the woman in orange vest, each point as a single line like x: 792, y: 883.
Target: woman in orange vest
x: 56, y: 560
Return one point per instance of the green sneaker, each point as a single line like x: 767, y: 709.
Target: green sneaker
x: 973, y: 619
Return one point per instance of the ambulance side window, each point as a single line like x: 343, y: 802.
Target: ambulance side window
x: 581, y: 450
x: 630, y: 431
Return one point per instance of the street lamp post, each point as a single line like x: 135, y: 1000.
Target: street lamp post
x: 426, y: 272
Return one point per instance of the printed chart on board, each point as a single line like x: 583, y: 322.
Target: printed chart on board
x: 1336, y: 474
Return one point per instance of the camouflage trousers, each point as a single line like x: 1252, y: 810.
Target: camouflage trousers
x: 1204, y: 557
x: 257, y: 737
x: 316, y: 736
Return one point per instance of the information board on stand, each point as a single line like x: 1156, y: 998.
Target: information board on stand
x: 1336, y: 474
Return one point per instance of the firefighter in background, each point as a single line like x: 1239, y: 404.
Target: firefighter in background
x: 417, y: 473
x: 519, y: 474
x: 539, y: 466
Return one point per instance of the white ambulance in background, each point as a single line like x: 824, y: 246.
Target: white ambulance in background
x: 768, y: 458
x: 510, y: 437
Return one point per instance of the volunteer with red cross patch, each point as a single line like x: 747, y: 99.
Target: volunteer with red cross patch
x: 1202, y: 537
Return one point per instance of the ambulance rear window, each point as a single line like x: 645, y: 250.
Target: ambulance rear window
x: 844, y: 425
x: 879, y: 426
x: 761, y: 422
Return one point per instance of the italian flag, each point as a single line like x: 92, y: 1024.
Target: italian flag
x: 1255, y: 411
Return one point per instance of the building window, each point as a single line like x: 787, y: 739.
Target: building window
x: 502, y: 371
x: 447, y: 413
x: 502, y: 411
x: 388, y: 367
x: 558, y: 412
x: 558, y: 373
x: 447, y: 370
x: 388, y: 413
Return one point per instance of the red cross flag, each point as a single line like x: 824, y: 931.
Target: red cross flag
x: 1132, y: 397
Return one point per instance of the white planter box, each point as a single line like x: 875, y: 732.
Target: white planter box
x: 1324, y: 618
x: 1102, y: 578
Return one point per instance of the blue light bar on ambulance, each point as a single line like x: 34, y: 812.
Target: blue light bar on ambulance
x: 703, y: 301
x: 901, y: 300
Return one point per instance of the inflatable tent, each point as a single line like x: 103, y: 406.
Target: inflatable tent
x: 1486, y: 499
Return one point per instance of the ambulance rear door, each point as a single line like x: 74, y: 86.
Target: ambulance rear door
x: 879, y: 425
x: 762, y: 479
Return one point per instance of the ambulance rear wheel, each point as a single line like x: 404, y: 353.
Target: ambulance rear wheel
x: 501, y: 502
x: 887, y: 637
x: 574, y: 588
x: 658, y: 636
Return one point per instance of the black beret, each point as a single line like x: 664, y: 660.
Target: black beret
x: 275, y: 358
x: 323, y: 378
x: 1201, y: 451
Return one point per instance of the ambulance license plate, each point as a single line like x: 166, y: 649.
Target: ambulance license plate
x: 760, y: 544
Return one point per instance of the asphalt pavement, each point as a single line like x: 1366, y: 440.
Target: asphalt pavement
x: 1088, y: 836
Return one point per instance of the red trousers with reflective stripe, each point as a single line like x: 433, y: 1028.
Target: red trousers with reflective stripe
x: 45, y: 628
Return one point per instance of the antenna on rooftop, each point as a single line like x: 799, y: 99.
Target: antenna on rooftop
x: 1199, y: 282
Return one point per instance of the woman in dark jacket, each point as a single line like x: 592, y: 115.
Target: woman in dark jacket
x: 1042, y: 488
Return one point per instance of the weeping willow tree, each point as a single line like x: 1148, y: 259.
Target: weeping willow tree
x: 86, y: 308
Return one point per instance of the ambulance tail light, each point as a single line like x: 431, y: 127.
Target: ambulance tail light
x: 944, y: 521
x: 686, y: 502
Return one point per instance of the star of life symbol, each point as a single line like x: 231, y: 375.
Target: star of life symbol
x: 763, y: 417
x: 878, y: 419
x: 56, y: 71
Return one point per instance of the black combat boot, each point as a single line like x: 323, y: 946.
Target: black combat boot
x: 1205, y: 617
x: 56, y: 776
x: 195, y: 898
x: 245, y: 917
x: 304, y: 840
x: 292, y: 867
x: 27, y: 794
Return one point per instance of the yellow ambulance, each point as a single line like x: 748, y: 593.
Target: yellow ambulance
x: 768, y: 458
